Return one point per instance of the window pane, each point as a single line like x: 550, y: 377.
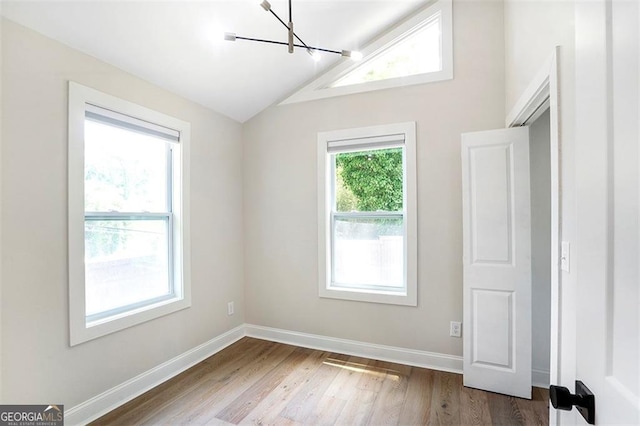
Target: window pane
x: 369, y: 180
x: 419, y: 53
x: 126, y: 262
x: 368, y: 252
x: 124, y: 170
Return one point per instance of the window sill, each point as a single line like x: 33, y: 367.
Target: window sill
x: 371, y: 296
x: 82, y: 332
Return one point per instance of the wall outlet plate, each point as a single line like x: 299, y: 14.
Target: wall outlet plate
x: 230, y: 308
x: 455, y: 329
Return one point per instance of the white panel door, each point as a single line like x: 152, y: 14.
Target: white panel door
x: 607, y: 255
x: 497, y: 261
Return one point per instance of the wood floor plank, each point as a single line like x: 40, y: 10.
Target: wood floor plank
x: 304, y: 402
x: 214, y: 422
x: 541, y: 404
x: 474, y: 408
x: 392, y: 394
x: 416, y: 409
x: 245, y: 402
x: 358, y: 403
x: 358, y: 409
x: 374, y: 376
x: 265, y: 383
x: 344, y: 385
x: 326, y: 411
x: 535, y: 411
x: 504, y: 410
x: 445, y: 402
x: 281, y: 421
x: 268, y: 411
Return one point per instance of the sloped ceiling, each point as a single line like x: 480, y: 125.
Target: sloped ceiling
x: 179, y: 45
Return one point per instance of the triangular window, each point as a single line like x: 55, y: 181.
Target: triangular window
x: 416, y: 52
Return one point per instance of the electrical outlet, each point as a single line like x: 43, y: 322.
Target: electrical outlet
x: 455, y: 329
x: 230, y: 309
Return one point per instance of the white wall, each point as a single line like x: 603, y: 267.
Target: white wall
x: 280, y: 195
x: 532, y: 29
x: 37, y: 363
x: 540, y: 242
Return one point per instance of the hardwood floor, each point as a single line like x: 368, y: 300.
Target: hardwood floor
x: 259, y: 382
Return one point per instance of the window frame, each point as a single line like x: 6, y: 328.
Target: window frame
x: 326, y: 203
x: 321, y: 88
x: 83, y: 328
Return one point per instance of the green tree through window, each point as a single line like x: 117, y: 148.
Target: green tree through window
x: 369, y: 180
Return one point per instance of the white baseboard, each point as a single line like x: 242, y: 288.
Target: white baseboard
x: 101, y: 404
x: 540, y: 378
x: 435, y: 361
x: 107, y: 401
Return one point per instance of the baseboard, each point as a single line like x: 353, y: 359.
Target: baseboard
x: 435, y: 361
x: 100, y: 405
x: 119, y: 395
x: 540, y: 378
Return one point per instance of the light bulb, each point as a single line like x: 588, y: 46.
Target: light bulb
x: 230, y: 36
x: 356, y: 56
x: 314, y: 54
x: 265, y: 5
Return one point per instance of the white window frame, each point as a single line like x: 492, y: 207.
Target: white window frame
x: 320, y: 87
x: 82, y: 329
x: 351, y: 138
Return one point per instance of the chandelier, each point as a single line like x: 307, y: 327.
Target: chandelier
x: 293, y: 40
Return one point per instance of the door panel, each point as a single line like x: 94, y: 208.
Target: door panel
x: 497, y: 261
x: 607, y: 200
x: 492, y: 319
x: 491, y: 215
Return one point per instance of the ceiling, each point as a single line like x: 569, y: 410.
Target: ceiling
x: 178, y: 45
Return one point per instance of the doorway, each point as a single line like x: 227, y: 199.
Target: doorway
x: 539, y: 99
x: 542, y: 98
x: 540, y: 169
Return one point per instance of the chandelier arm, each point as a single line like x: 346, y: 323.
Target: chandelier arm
x: 282, y: 43
x: 337, y: 52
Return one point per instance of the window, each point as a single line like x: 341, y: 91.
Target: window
x: 367, y: 214
x: 417, y: 50
x: 128, y: 203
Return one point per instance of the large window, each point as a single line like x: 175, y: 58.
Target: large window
x: 367, y: 205
x: 127, y: 214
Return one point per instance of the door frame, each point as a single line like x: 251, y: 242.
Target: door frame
x: 543, y: 92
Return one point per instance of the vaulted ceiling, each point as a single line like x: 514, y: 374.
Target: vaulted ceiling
x: 179, y: 45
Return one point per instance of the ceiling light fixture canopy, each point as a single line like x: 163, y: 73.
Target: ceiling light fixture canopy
x: 293, y: 40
